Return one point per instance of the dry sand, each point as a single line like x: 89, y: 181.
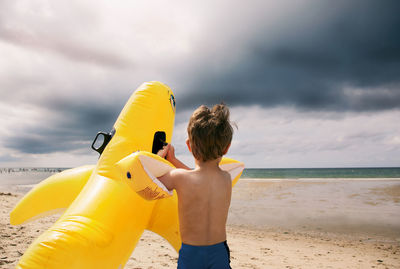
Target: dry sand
x: 250, y: 247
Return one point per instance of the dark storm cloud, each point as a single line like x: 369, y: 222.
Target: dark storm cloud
x: 74, y: 125
x: 332, y: 55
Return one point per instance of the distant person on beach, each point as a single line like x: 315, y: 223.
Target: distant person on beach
x: 204, y: 193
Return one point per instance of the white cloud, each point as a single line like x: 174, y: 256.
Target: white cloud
x: 283, y: 137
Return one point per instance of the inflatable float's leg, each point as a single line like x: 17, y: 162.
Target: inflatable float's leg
x: 164, y: 221
x: 53, y: 194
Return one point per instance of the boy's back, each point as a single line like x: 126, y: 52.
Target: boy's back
x: 204, y: 196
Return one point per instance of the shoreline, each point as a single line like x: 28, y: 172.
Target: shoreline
x: 29, y: 186
x: 329, y: 179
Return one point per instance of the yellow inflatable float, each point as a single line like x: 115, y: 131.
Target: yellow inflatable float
x: 110, y: 204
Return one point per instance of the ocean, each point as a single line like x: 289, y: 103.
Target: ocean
x: 26, y: 176
x: 29, y: 175
x: 295, y: 173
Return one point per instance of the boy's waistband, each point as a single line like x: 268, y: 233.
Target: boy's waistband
x: 214, y: 246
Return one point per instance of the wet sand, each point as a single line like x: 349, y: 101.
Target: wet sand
x: 367, y: 207
x: 272, y: 224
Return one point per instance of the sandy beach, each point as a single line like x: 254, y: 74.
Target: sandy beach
x: 272, y: 224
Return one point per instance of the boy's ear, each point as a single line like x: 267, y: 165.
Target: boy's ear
x: 227, y: 148
x: 188, y: 145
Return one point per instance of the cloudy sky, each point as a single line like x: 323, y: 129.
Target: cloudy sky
x: 310, y: 83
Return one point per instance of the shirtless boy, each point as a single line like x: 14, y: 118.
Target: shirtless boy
x: 204, y: 193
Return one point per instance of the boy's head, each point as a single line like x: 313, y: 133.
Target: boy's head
x: 210, y: 132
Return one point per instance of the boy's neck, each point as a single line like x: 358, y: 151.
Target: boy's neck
x: 212, y: 164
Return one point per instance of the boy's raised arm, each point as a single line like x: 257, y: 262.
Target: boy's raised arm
x: 168, y: 152
x: 169, y: 179
x: 178, y: 164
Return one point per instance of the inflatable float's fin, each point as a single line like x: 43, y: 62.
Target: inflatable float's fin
x: 52, y: 195
x: 233, y: 167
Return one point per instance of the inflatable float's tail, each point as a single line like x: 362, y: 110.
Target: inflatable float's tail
x: 68, y: 244
x: 52, y: 195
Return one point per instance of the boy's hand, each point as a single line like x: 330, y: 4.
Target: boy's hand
x: 167, y: 152
x: 164, y: 151
x: 170, y: 153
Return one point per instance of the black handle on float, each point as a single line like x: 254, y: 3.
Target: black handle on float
x: 107, y: 138
x: 158, y: 141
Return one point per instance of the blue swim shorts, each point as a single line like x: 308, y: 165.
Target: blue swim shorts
x: 204, y: 257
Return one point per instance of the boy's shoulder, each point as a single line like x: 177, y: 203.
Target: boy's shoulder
x: 202, y: 175
x: 179, y: 173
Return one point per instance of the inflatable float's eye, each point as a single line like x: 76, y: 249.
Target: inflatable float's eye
x: 172, y: 100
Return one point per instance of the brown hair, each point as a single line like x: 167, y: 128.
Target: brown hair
x: 210, y: 132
